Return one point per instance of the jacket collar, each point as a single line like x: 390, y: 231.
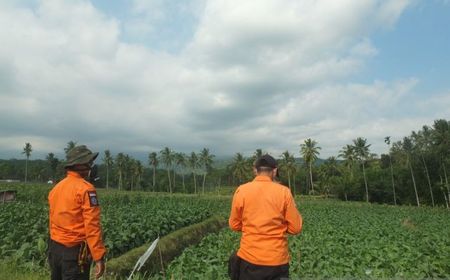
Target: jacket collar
x: 262, y: 178
x: 73, y: 174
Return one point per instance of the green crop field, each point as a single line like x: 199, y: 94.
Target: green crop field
x: 339, y: 239
x: 128, y: 219
x: 343, y: 240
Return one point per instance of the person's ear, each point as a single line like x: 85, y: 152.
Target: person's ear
x: 274, y: 172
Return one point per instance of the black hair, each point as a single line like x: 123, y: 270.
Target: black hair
x: 260, y: 169
x: 78, y: 167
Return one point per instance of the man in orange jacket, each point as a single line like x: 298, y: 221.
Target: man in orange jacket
x: 265, y: 212
x: 74, y: 221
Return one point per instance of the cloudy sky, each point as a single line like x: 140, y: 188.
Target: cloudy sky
x: 135, y: 76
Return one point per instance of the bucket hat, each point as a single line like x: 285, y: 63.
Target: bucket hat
x: 79, y: 155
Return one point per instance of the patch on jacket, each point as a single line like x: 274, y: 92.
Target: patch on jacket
x: 93, y: 198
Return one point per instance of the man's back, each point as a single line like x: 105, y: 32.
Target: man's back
x: 75, y: 214
x: 265, y: 212
x: 66, y: 216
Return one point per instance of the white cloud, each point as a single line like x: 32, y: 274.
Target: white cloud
x: 151, y: 8
x: 364, y: 49
x: 265, y: 74
x: 390, y: 11
x: 166, y: 24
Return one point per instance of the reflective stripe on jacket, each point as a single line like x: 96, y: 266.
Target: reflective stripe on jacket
x: 265, y: 212
x: 75, y: 214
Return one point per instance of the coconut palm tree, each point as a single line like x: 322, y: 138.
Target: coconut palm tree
x: 153, y: 161
x: 328, y: 173
x: 331, y: 167
x: 310, y: 152
x: 239, y: 167
x: 387, y: 140
x: 422, y: 146
x: 138, y: 170
x: 206, y: 161
x: 180, y: 161
x: 441, y: 137
x: 128, y: 163
x: 408, y: 150
x: 256, y: 155
x: 108, y: 161
x: 193, y: 163
x: 287, y: 164
x: 120, y: 165
x: 441, y: 143
x: 174, y: 170
x: 27, y: 152
x: 361, y: 149
x: 53, y: 164
x: 292, y: 167
x: 167, y: 159
x: 348, y: 155
x: 131, y: 165
x: 70, y: 145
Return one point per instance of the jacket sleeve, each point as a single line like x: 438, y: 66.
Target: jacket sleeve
x: 293, y: 218
x: 235, y: 221
x: 91, y: 216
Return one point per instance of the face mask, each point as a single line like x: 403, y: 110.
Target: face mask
x: 93, y: 174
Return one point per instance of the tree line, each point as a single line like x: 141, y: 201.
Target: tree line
x: 414, y: 171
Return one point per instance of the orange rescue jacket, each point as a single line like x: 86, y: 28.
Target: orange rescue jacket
x: 75, y: 214
x: 265, y: 212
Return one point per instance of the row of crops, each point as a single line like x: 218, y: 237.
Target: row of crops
x: 128, y: 221
x: 342, y: 240
x: 339, y: 240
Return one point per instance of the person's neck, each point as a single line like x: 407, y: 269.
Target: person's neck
x: 267, y: 174
x: 82, y: 174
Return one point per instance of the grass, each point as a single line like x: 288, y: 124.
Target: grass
x: 169, y: 247
x: 10, y: 270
